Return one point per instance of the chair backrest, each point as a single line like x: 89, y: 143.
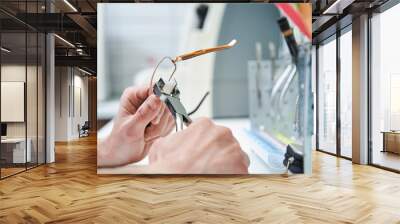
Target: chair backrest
x: 86, y: 125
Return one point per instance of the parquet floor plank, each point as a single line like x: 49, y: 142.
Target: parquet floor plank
x: 70, y: 191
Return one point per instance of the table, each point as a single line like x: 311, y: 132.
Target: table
x: 391, y: 141
x: 264, y: 158
x: 13, y: 150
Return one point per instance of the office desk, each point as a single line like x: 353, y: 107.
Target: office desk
x: 13, y: 150
x: 391, y: 141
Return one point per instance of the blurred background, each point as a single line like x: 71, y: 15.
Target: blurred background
x: 132, y: 39
x: 254, y: 87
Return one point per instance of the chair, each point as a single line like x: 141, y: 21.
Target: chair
x: 84, y: 130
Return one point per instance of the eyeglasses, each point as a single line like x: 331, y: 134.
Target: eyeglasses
x: 171, y: 91
x: 197, y: 53
x: 187, y: 56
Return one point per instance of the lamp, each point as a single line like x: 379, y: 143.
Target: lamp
x: 5, y: 50
x: 65, y: 41
x: 70, y: 5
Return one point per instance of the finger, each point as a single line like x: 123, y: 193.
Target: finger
x: 171, y: 124
x: 132, y: 98
x: 159, y: 115
x: 246, y: 160
x: 146, y: 113
x: 151, y: 133
x: 156, y: 131
x: 141, y: 93
x: 167, y: 119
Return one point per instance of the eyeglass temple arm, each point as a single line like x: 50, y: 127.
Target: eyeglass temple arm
x: 204, y: 51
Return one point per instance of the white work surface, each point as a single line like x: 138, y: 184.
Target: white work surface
x: 265, y: 156
x: 19, y: 149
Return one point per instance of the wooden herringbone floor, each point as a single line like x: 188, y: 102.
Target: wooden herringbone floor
x: 69, y: 191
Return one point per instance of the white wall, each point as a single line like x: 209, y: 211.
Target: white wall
x: 34, y: 125
x: 12, y: 98
x: 80, y: 84
x: 16, y: 73
x: 61, y: 103
x: 69, y: 82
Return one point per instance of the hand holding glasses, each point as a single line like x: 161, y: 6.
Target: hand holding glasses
x: 168, y: 90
